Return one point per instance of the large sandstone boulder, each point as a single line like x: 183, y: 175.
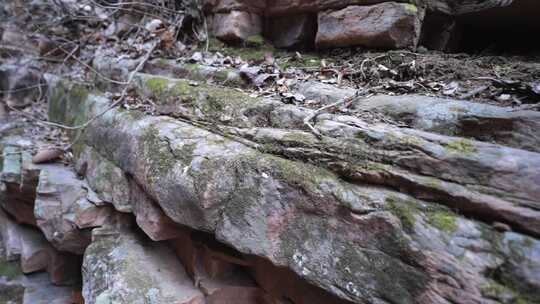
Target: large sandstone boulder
x: 483, y: 122
x: 236, y: 26
x: 120, y: 266
x: 367, y: 212
x: 387, y: 25
x: 506, y: 126
x: 290, y: 7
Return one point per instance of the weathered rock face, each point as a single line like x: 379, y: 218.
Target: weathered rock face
x: 518, y: 129
x: 121, y: 267
x: 284, y: 7
x: 288, y: 7
x: 233, y: 199
x: 126, y: 196
x: 64, y: 210
x: 305, y: 216
x: 11, y: 239
x: 226, y: 6
x: 488, y: 123
x: 236, y: 26
x: 31, y: 289
x: 18, y: 181
x: 35, y: 254
x: 386, y: 25
x: 324, y: 93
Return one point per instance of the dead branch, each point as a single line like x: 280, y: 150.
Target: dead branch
x: 320, y: 110
x: 123, y: 95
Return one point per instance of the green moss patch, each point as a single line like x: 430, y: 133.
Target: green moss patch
x: 213, y: 101
x: 464, y: 146
x: 10, y: 270
x: 255, y: 41
x: 495, y: 290
x: 411, y: 8
x: 443, y: 220
x: 158, y: 155
x: 157, y: 86
x: 255, y: 48
x: 404, y: 210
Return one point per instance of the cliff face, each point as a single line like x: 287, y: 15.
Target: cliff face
x: 193, y: 181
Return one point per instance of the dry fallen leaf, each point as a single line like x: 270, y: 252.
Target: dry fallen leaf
x: 451, y: 88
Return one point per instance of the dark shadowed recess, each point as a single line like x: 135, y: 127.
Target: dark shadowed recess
x: 513, y: 30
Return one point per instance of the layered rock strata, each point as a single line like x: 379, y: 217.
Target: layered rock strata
x: 340, y: 211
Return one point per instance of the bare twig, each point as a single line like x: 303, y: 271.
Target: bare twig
x: 363, y: 94
x: 71, y: 53
x: 207, y: 35
x: 123, y: 95
x: 368, y: 60
x: 94, y: 70
x: 307, y: 120
x: 474, y: 92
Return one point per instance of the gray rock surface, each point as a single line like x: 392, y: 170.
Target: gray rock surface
x: 502, y: 125
x: 18, y: 181
x: 64, y: 210
x: 121, y: 267
x: 324, y: 93
x: 505, y: 126
x: 126, y: 195
x: 36, y: 252
x: 29, y: 247
x: 236, y: 26
x: 196, y: 72
x: 11, y: 241
x: 31, y: 289
x: 387, y: 25
x: 305, y: 216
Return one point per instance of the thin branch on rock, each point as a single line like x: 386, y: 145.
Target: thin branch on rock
x: 363, y: 94
x: 123, y: 95
x: 319, y: 111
